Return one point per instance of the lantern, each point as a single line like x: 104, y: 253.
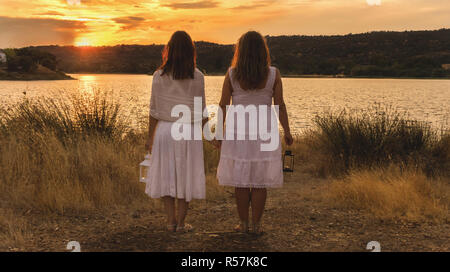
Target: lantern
x: 288, y: 162
x: 143, y: 168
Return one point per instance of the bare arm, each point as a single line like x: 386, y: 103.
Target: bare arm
x: 153, y: 122
x: 278, y: 100
x: 205, y: 119
x: 225, y: 100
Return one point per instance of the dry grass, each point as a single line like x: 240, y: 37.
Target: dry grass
x: 70, y: 156
x: 308, y: 157
x: 14, y: 231
x: 377, y: 137
x: 79, y: 157
x: 393, y: 194
x: 52, y: 176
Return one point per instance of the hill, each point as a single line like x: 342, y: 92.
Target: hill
x: 30, y: 64
x: 374, y: 54
x: 41, y: 73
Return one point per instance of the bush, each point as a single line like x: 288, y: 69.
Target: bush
x: 69, y: 156
x: 75, y: 155
x: 81, y: 116
x: 377, y: 137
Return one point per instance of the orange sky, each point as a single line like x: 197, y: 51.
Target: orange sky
x: 107, y: 22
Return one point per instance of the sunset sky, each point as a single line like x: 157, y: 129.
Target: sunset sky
x: 105, y: 22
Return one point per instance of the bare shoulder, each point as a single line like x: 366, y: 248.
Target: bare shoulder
x: 277, y: 78
x: 157, y: 72
x: 277, y: 73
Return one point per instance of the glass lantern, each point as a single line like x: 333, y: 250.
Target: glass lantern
x: 288, y: 162
x: 143, y: 168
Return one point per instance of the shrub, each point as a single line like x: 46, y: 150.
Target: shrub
x: 377, y: 137
x: 74, y: 155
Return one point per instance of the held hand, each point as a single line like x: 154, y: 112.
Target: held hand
x: 288, y: 139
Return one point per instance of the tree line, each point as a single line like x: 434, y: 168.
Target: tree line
x: 374, y: 54
x: 27, y: 59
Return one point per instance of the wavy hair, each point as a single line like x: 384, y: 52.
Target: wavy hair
x: 179, y: 56
x: 251, y: 60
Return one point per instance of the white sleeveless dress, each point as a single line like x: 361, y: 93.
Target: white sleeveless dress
x: 176, y: 166
x: 242, y: 162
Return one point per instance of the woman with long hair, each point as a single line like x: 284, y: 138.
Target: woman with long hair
x: 177, y: 168
x: 252, y: 81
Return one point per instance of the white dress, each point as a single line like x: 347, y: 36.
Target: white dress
x: 176, y: 166
x: 242, y: 162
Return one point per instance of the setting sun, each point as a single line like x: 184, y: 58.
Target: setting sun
x: 83, y: 42
x: 101, y: 22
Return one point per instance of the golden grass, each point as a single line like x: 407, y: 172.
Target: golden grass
x: 88, y: 174
x: 52, y: 163
x: 82, y: 176
x: 392, y: 194
x: 14, y: 231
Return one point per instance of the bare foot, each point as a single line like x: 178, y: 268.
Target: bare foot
x: 242, y: 227
x: 185, y: 228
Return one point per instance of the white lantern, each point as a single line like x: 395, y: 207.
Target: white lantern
x: 143, y: 168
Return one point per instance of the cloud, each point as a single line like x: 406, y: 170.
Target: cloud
x: 108, y: 22
x: 192, y: 5
x: 99, y: 2
x: 255, y: 4
x: 373, y: 2
x: 20, y: 32
x: 130, y: 22
x: 74, y: 2
x: 50, y: 13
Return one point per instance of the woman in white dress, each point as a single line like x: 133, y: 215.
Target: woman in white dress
x: 177, y: 167
x: 251, y: 81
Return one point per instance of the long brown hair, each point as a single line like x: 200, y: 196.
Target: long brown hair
x: 179, y: 56
x: 251, y: 60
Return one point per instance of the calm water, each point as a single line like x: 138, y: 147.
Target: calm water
x: 426, y: 100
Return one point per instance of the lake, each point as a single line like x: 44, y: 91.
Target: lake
x: 426, y: 100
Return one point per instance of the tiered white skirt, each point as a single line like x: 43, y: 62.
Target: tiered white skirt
x: 177, y: 167
x: 243, y: 164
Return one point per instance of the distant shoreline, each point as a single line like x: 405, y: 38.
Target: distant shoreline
x: 32, y: 78
x: 284, y: 76
x: 359, y: 77
x: 42, y: 73
x: 343, y: 76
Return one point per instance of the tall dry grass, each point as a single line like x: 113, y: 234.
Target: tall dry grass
x: 75, y: 155
x: 14, y: 231
x: 393, y: 194
x: 70, y: 155
x: 78, y: 155
x: 377, y: 137
x: 385, y: 164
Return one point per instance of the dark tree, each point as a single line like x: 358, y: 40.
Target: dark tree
x: 392, y: 54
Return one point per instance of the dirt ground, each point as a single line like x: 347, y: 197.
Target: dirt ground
x: 296, y: 219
